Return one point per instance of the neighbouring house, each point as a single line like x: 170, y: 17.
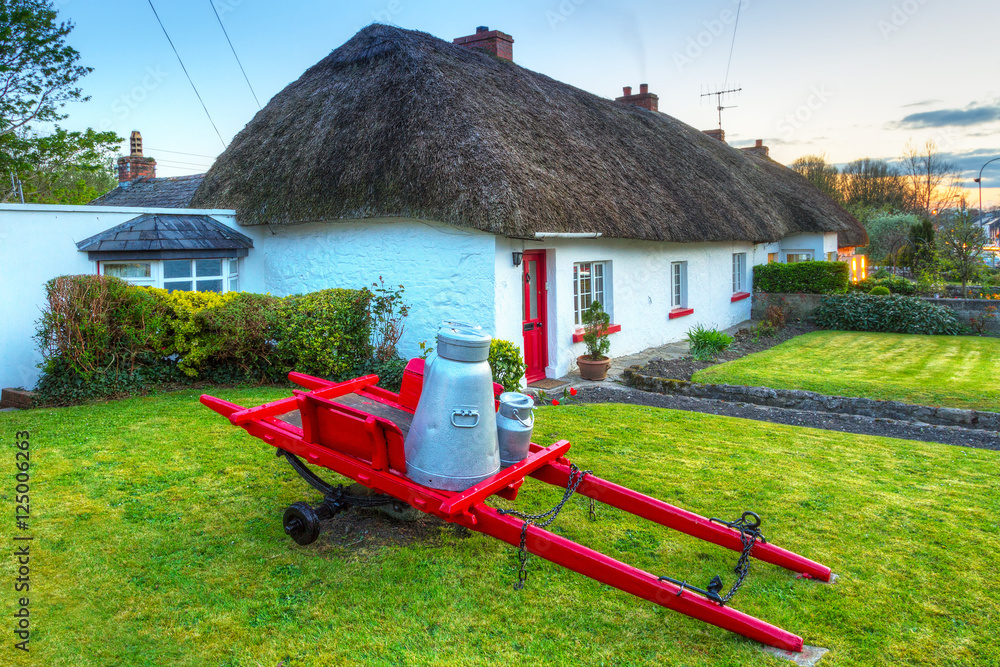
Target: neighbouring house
x: 493, y: 193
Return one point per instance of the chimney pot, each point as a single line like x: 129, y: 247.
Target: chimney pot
x: 627, y: 90
x: 482, y: 28
x: 643, y: 88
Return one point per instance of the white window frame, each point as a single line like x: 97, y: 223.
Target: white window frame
x: 600, y: 288
x: 739, y: 272
x: 229, y: 277
x: 678, y: 285
x: 810, y: 255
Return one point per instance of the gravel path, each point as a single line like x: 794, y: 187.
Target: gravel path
x: 949, y: 435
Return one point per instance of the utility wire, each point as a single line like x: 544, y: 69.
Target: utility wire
x: 164, y: 150
x: 733, y: 43
x: 189, y: 164
x: 186, y: 74
x: 224, y: 32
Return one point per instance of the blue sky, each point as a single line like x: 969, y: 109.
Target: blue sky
x: 850, y: 79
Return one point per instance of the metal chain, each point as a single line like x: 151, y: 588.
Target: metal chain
x: 575, y: 477
x: 749, y: 527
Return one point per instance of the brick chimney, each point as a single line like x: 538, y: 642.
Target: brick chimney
x: 494, y: 42
x: 135, y: 167
x: 719, y: 134
x: 759, y: 148
x: 644, y: 99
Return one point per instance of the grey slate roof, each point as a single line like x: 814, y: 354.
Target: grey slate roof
x: 158, y: 236
x: 170, y: 192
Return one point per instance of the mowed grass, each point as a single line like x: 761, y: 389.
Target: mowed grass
x: 158, y: 541
x: 942, y: 371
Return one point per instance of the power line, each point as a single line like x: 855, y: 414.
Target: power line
x: 224, y: 32
x: 176, y: 162
x: 733, y: 43
x: 164, y: 150
x: 197, y: 94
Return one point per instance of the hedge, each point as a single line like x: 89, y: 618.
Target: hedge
x: 102, y: 337
x: 808, y: 277
x: 889, y: 314
x: 895, y: 284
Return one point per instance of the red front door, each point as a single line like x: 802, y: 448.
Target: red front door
x: 536, y: 350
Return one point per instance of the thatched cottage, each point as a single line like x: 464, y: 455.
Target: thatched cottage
x: 494, y: 194
x: 499, y: 195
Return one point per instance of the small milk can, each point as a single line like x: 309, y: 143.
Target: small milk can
x: 514, y: 423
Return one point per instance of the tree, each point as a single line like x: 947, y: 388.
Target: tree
x: 38, y: 71
x: 38, y: 75
x: 817, y: 171
x: 887, y: 235
x: 63, y: 167
x: 873, y: 185
x: 961, y: 243
x: 922, y: 237
x: 933, y: 180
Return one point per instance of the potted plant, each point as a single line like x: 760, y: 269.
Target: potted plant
x: 594, y: 365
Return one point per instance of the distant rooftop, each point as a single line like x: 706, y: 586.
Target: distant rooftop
x: 170, y: 192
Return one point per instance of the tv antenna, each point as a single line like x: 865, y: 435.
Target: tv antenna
x: 719, y: 94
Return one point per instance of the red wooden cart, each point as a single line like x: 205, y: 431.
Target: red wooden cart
x: 357, y: 429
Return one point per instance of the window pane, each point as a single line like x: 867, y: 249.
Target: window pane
x: 233, y: 267
x: 139, y: 270
x: 234, y: 284
x: 178, y: 286
x: 576, y: 293
x: 210, y: 285
x: 599, y: 284
x: 533, y: 290
x: 207, y: 267
x: 177, y: 268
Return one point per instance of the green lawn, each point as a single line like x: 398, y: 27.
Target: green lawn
x: 158, y: 542
x: 950, y: 371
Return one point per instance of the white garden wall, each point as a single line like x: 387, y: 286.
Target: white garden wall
x: 38, y: 243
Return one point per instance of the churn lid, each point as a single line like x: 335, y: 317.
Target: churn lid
x: 512, y: 401
x: 463, y: 343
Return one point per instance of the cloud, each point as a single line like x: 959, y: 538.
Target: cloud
x: 925, y: 103
x: 971, y: 115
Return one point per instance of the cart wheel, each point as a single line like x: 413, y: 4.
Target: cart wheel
x: 301, y: 523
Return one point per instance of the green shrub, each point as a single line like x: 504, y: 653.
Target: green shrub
x: 880, y: 290
x: 595, y: 337
x: 706, y: 343
x: 890, y: 314
x: 325, y: 333
x: 389, y: 371
x: 895, y: 284
x: 808, y: 277
x: 507, y: 364
x: 239, y: 337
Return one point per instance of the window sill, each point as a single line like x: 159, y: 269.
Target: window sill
x: 578, y: 334
x: 680, y: 312
x: 739, y: 296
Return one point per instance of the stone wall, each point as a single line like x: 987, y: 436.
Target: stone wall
x: 808, y: 400
x: 801, y: 306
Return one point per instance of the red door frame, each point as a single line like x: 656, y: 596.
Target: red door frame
x: 535, y: 330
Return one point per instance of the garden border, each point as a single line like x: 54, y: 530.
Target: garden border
x: 814, y: 402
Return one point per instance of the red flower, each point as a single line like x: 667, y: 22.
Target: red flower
x: 572, y: 391
x: 555, y: 401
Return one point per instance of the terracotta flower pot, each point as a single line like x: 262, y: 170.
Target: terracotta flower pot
x: 593, y: 370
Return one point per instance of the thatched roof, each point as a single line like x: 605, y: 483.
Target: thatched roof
x: 397, y: 123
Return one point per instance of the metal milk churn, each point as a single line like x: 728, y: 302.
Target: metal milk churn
x: 514, y: 423
x: 452, y: 443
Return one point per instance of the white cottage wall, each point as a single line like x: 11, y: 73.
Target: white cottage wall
x: 640, y: 292
x: 38, y: 243
x: 819, y: 243
x: 447, y: 271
